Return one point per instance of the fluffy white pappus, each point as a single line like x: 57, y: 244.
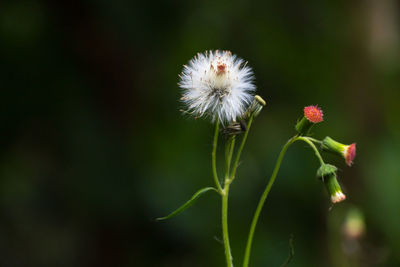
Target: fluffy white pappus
x: 217, y: 84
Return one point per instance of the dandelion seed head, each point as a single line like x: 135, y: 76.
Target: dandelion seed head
x: 217, y: 84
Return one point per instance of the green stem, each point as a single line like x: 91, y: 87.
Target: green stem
x: 213, y: 155
x: 239, y: 152
x: 225, y: 193
x: 314, y: 140
x: 268, y: 189
x: 307, y: 140
x: 227, y: 151
x: 232, y: 149
x: 262, y: 200
x: 225, y: 232
x: 228, y: 154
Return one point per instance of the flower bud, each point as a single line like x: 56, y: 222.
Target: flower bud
x: 255, y: 107
x: 348, y: 152
x: 327, y: 173
x: 333, y: 188
x: 312, y: 115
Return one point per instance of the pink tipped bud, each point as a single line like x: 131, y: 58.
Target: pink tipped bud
x: 314, y: 114
x: 350, y: 153
x: 327, y: 173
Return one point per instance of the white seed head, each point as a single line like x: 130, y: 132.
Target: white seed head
x: 217, y: 84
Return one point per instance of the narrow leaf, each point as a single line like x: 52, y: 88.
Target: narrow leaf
x: 189, y: 203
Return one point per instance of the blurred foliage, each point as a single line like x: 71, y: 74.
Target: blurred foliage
x: 94, y: 147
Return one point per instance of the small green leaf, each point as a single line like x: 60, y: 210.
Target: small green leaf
x: 189, y: 203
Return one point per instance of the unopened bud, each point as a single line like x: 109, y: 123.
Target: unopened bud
x: 260, y: 100
x: 333, y: 188
x: 255, y: 107
x: 348, y: 152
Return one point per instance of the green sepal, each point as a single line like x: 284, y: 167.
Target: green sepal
x: 189, y: 203
x: 325, y: 170
x: 304, y: 126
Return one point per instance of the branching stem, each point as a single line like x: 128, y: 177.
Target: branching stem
x: 268, y: 189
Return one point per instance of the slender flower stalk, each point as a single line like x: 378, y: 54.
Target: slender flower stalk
x: 262, y: 201
x: 225, y: 232
x: 229, y: 177
x: 229, y: 148
x: 314, y: 140
x: 310, y: 143
x: 239, y: 152
x: 213, y: 158
x: 268, y: 189
x: 232, y: 148
x: 225, y: 194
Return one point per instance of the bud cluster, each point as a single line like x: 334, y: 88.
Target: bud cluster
x: 326, y: 172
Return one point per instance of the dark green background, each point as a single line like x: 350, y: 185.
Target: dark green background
x: 93, y: 146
